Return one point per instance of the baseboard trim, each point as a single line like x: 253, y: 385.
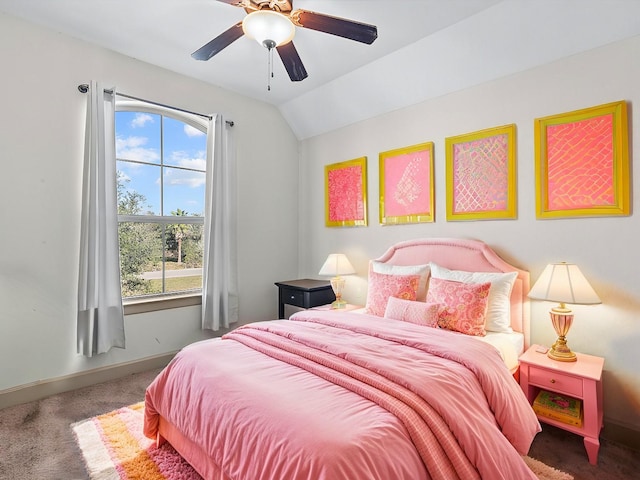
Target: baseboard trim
x: 621, y: 434
x: 38, y: 390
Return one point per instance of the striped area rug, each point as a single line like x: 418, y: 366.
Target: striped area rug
x: 114, y: 448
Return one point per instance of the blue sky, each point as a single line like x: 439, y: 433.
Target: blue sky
x: 138, y: 137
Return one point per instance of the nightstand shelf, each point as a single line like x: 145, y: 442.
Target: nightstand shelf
x: 581, y: 379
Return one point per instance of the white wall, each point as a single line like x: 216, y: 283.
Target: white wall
x: 41, y: 140
x: 606, y: 249
x: 41, y: 128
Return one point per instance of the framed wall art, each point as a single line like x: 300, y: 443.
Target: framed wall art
x: 346, y: 193
x: 406, y: 185
x: 481, y: 174
x: 582, y: 163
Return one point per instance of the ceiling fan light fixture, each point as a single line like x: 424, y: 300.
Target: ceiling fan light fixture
x: 268, y: 28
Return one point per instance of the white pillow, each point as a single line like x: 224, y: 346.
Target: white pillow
x: 422, y: 270
x: 499, y: 308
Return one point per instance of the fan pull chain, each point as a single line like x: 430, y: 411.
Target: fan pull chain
x: 270, y: 69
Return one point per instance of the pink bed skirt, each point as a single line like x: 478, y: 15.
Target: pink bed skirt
x: 190, y: 451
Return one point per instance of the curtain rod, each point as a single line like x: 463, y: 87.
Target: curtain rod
x: 84, y: 88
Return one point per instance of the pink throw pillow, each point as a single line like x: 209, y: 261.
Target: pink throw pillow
x: 383, y: 286
x: 465, y: 305
x: 414, y: 312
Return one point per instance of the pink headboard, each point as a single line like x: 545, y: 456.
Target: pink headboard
x: 469, y: 255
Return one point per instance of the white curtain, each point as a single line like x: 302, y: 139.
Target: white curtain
x: 219, y: 282
x: 100, y: 311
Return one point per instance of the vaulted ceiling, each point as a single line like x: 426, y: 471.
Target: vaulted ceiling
x: 425, y: 48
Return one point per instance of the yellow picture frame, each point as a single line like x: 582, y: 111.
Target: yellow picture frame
x: 582, y: 163
x: 481, y: 175
x: 345, y: 198
x: 406, y: 185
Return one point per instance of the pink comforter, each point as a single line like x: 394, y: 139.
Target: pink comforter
x: 331, y: 396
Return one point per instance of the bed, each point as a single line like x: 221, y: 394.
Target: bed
x: 351, y: 395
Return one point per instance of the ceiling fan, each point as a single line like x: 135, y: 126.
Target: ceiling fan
x: 272, y: 23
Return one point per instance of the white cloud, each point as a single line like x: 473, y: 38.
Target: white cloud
x: 194, y: 163
x: 192, y: 131
x: 186, y: 177
x: 130, y: 142
x: 132, y: 148
x: 182, y: 159
x: 141, y: 119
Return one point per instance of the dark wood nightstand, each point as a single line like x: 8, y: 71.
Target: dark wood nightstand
x: 303, y: 293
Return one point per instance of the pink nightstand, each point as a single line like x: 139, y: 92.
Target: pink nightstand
x: 581, y: 379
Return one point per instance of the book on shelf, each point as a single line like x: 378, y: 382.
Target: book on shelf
x: 559, y: 407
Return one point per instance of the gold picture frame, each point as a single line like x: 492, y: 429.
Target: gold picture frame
x: 407, y: 185
x: 346, y: 193
x: 481, y: 174
x: 582, y: 163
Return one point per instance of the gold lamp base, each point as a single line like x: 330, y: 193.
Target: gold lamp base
x: 560, y: 352
x: 562, y: 318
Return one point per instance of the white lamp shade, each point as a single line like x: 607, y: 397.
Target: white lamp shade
x: 337, y: 264
x: 268, y: 27
x: 564, y: 283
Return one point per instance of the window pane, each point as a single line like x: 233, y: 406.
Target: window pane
x: 184, y: 190
x: 140, y: 254
x: 183, y: 257
x: 143, y: 271
x: 141, y: 182
x: 138, y: 136
x: 184, y: 145
x: 158, y: 257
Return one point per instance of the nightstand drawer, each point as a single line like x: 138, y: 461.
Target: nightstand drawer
x: 293, y: 297
x: 304, y: 293
x: 557, y: 382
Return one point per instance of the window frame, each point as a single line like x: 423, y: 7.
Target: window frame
x: 164, y: 301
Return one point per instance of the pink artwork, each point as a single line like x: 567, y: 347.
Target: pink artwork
x: 345, y: 194
x: 580, y: 164
x: 407, y: 184
x: 481, y: 175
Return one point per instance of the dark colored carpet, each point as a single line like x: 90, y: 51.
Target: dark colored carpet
x: 36, y: 441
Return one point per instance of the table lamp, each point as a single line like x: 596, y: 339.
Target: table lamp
x: 337, y: 264
x: 563, y: 283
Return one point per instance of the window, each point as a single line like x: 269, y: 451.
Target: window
x: 161, y: 171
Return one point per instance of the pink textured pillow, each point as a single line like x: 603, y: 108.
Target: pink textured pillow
x: 414, y: 312
x: 383, y: 286
x: 465, y: 305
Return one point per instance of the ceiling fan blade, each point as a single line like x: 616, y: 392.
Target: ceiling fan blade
x: 292, y: 62
x: 283, y: 6
x: 360, y: 32
x: 219, y: 43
